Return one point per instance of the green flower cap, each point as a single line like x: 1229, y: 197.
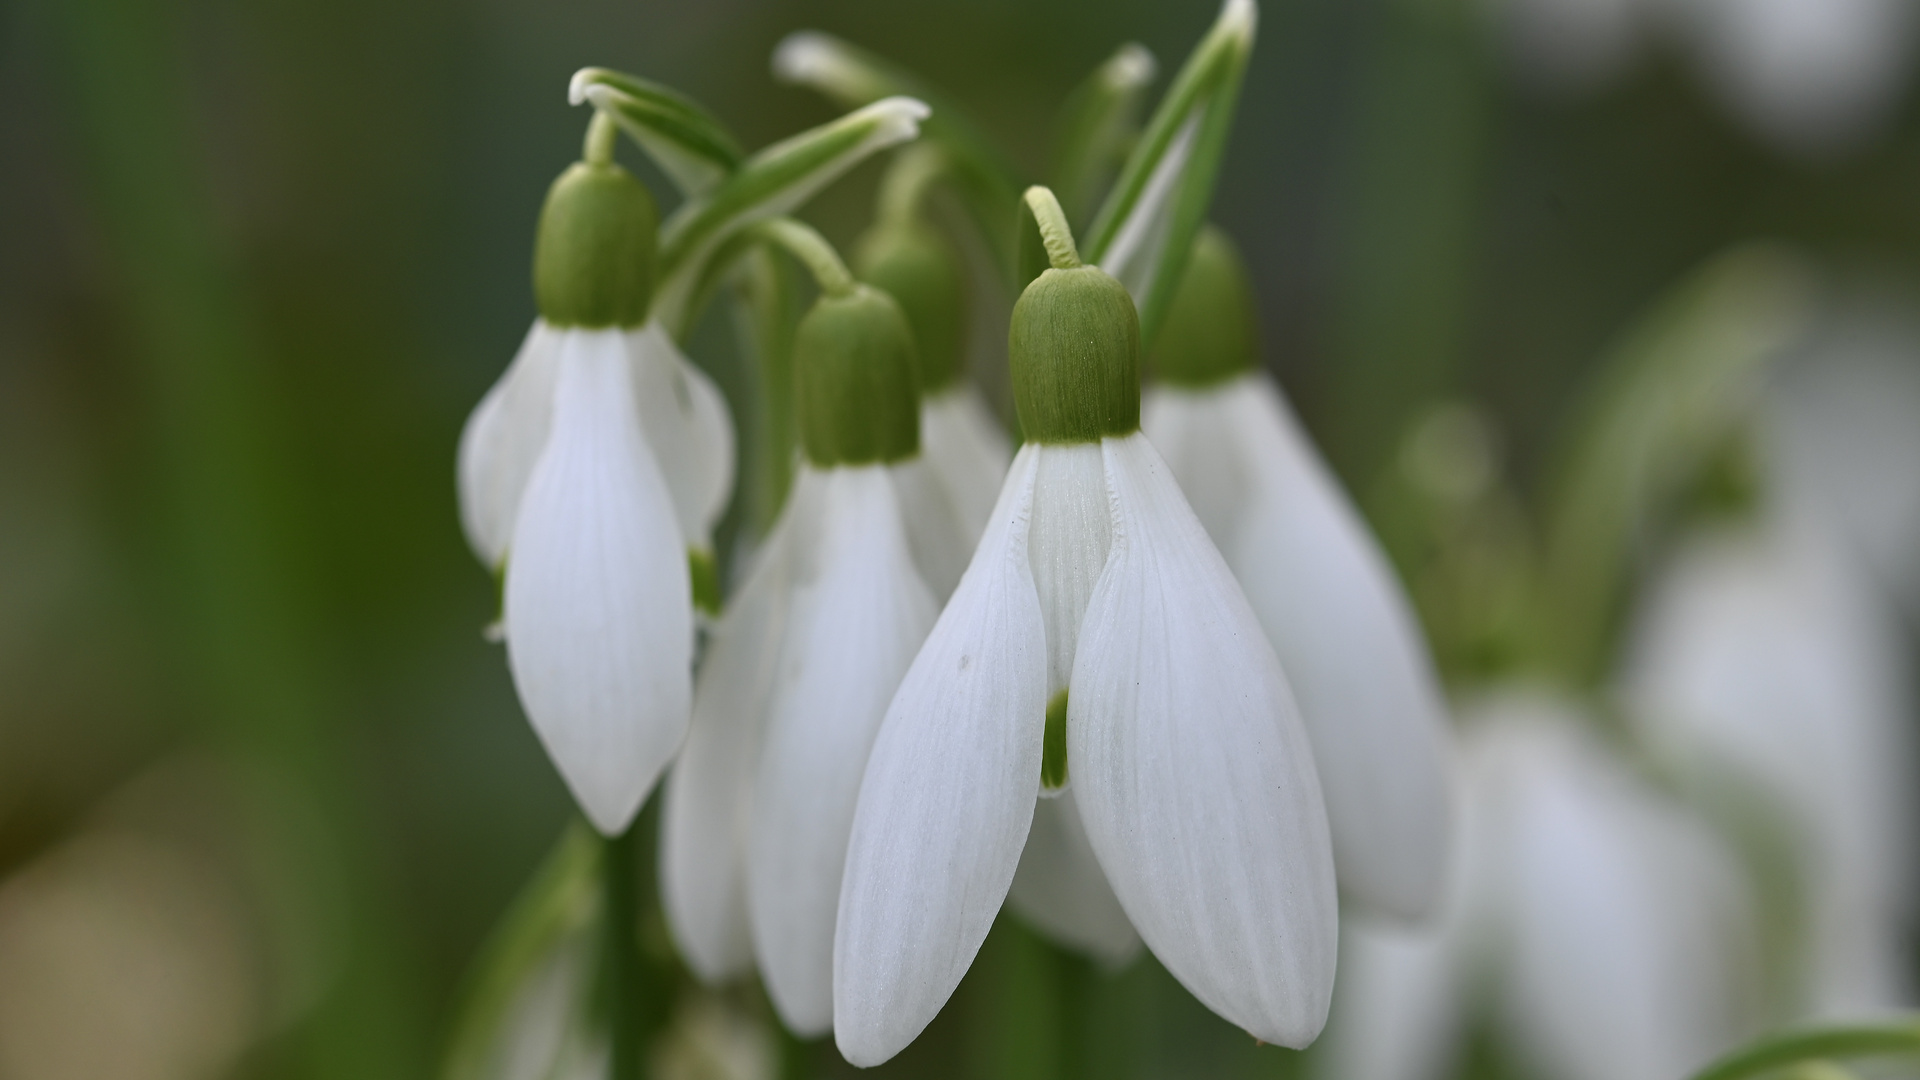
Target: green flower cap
x: 855, y: 380
x: 593, y: 259
x: 1209, y: 334
x: 920, y: 270
x: 1074, y: 345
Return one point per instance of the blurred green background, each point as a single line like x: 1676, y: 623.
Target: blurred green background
x: 258, y: 260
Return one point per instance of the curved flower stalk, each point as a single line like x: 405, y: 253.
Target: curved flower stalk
x: 1322, y: 588
x: 965, y: 455
x: 561, y: 481
x: 801, y: 668
x: 1762, y: 665
x: 529, y: 1012
x: 1593, y: 928
x: 1097, y: 649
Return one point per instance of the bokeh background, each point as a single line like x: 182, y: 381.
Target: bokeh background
x: 264, y: 788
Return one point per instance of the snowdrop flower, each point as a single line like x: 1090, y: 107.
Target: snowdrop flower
x: 1595, y: 929
x: 1811, y: 76
x: 965, y: 455
x: 1845, y: 425
x: 590, y: 470
x: 1762, y: 665
x: 1098, y: 650
x: 801, y: 667
x: 1320, y: 584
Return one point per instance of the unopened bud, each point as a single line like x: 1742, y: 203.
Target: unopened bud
x: 921, y: 271
x: 1209, y: 333
x: 593, y: 259
x: 855, y: 381
x: 1074, y: 347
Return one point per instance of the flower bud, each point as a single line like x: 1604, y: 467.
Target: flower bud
x: 855, y: 380
x: 593, y: 260
x: 1074, y: 347
x: 1208, y: 336
x: 920, y: 271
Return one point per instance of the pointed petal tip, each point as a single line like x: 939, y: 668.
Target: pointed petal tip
x: 899, y: 116
x: 577, y: 86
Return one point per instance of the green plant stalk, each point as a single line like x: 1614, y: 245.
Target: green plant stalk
x: 695, y: 150
x: 1099, y: 122
x: 1671, y: 392
x: 625, y: 996
x: 988, y: 183
x: 1208, y: 87
x: 1852, y: 1041
x: 811, y: 250
x: 775, y: 181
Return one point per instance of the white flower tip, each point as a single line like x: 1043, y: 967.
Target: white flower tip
x: 1239, y: 18
x: 896, y: 119
x: 610, y: 811
x: 1132, y: 66
x: 807, y: 57
x: 578, y: 87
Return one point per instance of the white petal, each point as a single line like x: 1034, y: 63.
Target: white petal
x: 689, y: 429
x: 1761, y: 658
x: 502, y: 440
x: 709, y: 794
x: 939, y: 541
x: 1340, y: 622
x: 1193, y: 772
x: 1072, y: 533
x: 1062, y: 891
x: 859, y: 616
x: 947, y: 798
x: 599, y: 613
x: 1399, y: 1008
x: 949, y: 490
x: 968, y: 449
x: 1620, y: 916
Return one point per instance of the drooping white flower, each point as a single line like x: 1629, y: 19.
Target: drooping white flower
x: 561, y: 481
x: 799, y: 673
x: 1097, y: 649
x: 1593, y: 928
x: 1320, y: 584
x: 1761, y: 665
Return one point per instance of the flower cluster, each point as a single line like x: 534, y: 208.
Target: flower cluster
x: 1148, y: 679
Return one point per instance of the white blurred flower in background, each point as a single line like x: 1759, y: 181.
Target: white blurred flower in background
x: 1595, y: 929
x: 1810, y: 77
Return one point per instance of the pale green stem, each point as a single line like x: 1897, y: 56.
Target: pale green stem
x: 1779, y: 1051
x: 1054, y: 231
x: 813, y: 251
x: 602, y: 133
x: 904, y: 187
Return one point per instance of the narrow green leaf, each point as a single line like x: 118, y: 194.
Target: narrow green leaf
x: 775, y: 181
x: 1098, y: 125
x: 1146, y: 226
x: 690, y: 146
x: 1671, y: 393
x: 983, y: 176
x: 528, y: 1002
x: 1762, y: 1057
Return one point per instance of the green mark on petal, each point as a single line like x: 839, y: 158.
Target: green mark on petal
x: 1053, y: 753
x: 706, y: 580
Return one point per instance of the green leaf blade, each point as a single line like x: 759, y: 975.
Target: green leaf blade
x: 695, y: 150
x: 775, y: 181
